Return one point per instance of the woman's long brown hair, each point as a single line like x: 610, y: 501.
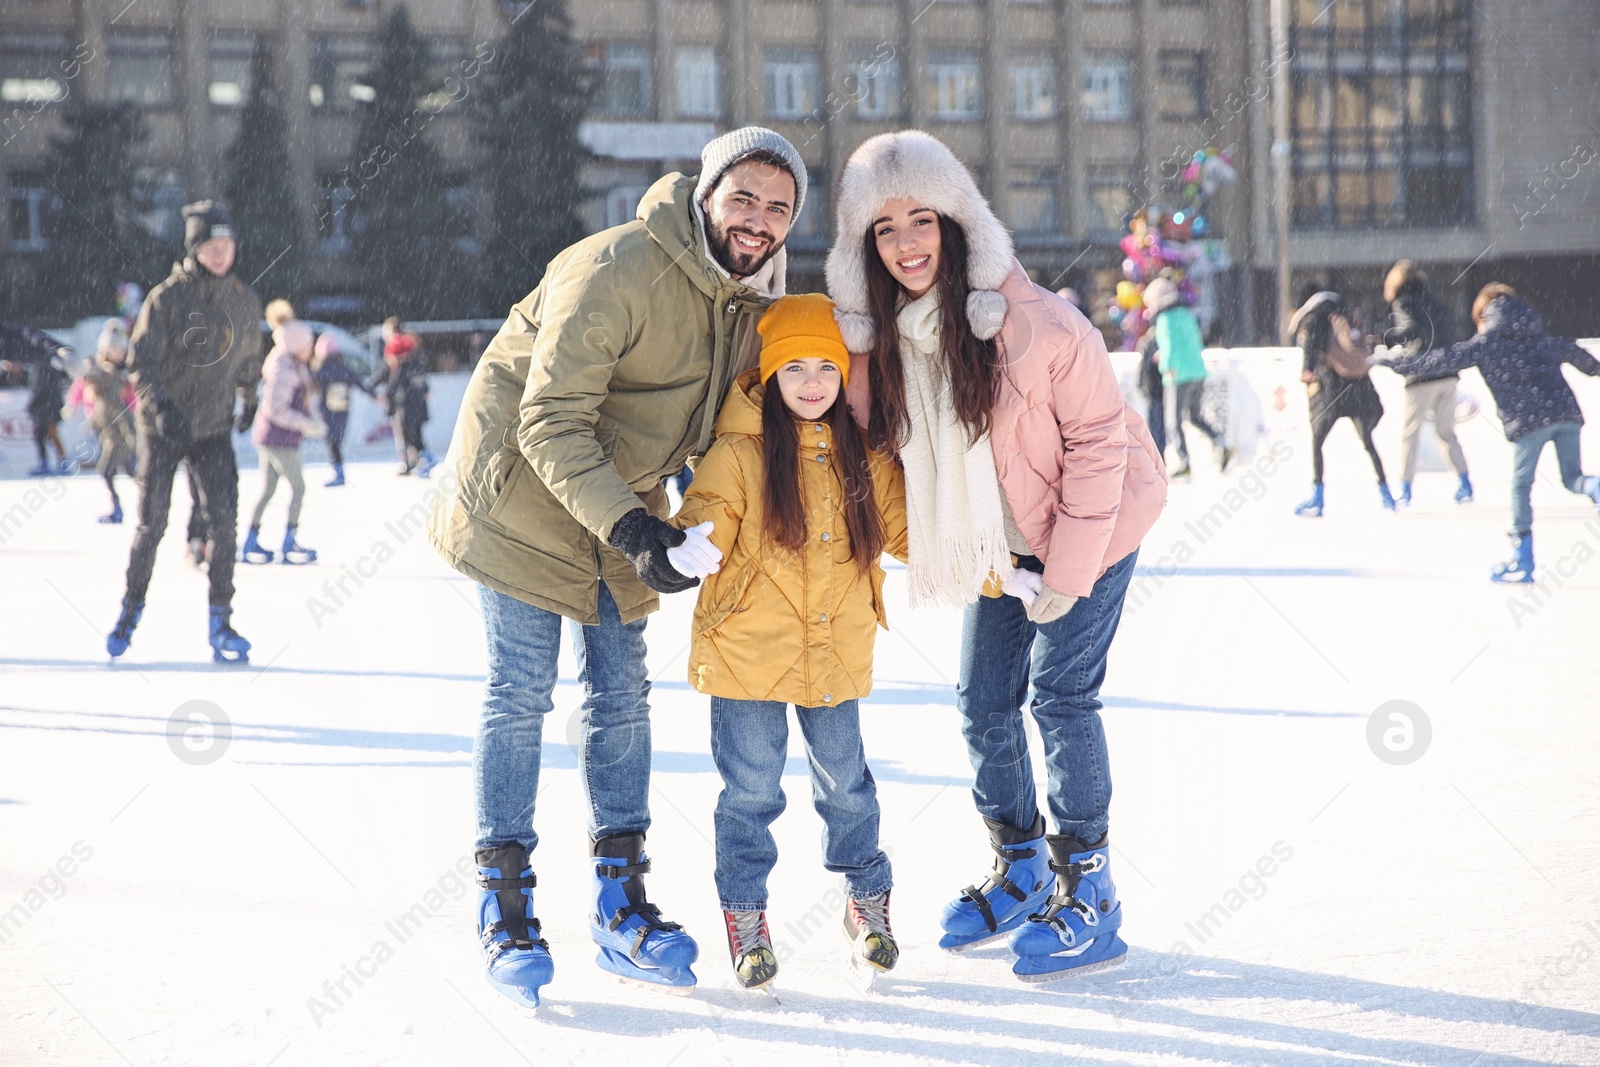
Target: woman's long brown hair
x: 969, y: 362
x: 783, y: 512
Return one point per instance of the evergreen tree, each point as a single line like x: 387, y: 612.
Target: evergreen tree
x: 404, y: 233
x: 258, y: 190
x: 535, y: 93
x: 93, y: 245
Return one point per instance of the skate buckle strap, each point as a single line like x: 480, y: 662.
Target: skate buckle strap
x: 514, y: 941
x: 981, y: 902
x: 606, y: 870
x: 485, y: 882
x: 652, y: 922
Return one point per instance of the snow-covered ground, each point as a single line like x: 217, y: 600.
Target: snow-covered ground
x: 290, y: 893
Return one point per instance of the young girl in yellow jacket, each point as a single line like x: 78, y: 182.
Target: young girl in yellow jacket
x: 801, y: 511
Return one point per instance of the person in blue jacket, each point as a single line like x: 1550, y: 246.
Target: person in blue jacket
x: 1521, y: 364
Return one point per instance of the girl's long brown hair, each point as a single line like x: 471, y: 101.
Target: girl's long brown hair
x: 970, y: 363
x: 783, y: 512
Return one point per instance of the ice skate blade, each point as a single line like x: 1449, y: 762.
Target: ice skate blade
x: 666, y: 979
x: 1072, y: 972
x: 863, y: 975
x: 958, y: 946
x: 528, y: 998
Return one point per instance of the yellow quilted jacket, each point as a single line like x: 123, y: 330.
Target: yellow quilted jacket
x: 771, y: 625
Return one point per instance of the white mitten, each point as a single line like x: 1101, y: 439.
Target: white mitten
x: 1024, y: 585
x: 697, y: 557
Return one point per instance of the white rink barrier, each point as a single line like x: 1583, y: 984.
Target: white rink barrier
x: 1255, y: 393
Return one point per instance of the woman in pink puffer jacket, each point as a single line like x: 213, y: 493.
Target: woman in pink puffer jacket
x: 1026, y: 475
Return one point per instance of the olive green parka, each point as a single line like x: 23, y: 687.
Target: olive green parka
x: 602, y: 382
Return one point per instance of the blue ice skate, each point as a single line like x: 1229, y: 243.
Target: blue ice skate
x: 121, y: 635
x: 518, y: 959
x: 1464, y: 491
x: 294, y: 552
x: 1311, y: 507
x: 1076, y: 933
x: 634, y: 943
x: 1518, y: 570
x: 1404, y: 499
x: 1017, y: 887
x: 251, y: 551
x: 1386, y: 497
x: 226, y: 644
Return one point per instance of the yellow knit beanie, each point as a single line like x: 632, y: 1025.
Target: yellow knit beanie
x: 798, y: 326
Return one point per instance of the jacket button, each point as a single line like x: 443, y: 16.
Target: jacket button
x: 827, y: 536
x: 824, y: 616
x: 827, y: 698
x: 822, y: 459
x: 822, y: 444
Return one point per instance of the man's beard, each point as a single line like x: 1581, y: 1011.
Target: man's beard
x: 735, y: 260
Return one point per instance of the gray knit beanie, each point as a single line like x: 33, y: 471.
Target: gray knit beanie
x: 723, y: 152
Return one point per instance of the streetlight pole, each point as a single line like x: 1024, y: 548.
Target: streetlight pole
x: 1283, y: 206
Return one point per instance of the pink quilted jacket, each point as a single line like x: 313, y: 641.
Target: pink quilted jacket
x: 1077, y: 464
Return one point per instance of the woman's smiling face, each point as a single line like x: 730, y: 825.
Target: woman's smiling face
x: 907, y: 235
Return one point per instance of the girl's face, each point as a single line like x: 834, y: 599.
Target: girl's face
x: 809, y: 386
x: 907, y: 234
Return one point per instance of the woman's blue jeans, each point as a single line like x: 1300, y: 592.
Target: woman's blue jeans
x: 1001, y: 653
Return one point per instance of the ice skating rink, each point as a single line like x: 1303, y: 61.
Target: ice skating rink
x: 1301, y: 886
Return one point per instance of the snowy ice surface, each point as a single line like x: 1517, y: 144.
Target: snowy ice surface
x: 1444, y: 911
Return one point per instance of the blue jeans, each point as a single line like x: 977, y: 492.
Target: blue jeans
x: 615, y: 759
x: 1001, y: 651
x: 750, y: 744
x: 1525, y: 461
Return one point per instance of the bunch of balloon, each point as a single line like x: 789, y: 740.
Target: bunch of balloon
x: 1159, y: 242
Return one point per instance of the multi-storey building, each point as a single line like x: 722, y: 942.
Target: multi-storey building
x: 1464, y: 134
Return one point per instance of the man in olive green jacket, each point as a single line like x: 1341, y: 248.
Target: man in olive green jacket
x: 602, y: 382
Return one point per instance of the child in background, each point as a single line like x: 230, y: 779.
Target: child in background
x: 800, y: 511
x: 1178, y: 350
x: 284, y: 417
x: 108, y: 395
x: 334, y: 378
x: 1521, y: 364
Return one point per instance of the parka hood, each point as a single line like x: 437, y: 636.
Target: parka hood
x: 667, y: 211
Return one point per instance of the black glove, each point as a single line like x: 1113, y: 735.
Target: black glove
x: 644, y: 539
x: 171, y: 425
x: 247, y: 415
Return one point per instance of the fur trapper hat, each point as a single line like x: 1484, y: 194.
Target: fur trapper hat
x: 911, y: 164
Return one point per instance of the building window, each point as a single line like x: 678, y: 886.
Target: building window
x: 339, y: 72
x: 36, y: 67
x: 445, y: 56
x: 955, y: 84
x: 624, y: 78
x: 339, y: 219
x: 1107, y: 87
x: 33, y: 209
x: 1381, y: 114
x: 156, y: 196
x: 1034, y: 82
x: 813, y: 221
x: 699, y: 76
x: 1181, y: 88
x: 230, y: 56
x: 141, y: 68
x: 460, y: 215
x: 791, y: 82
x: 876, y: 71
x: 1033, y: 199
x: 622, y: 204
x: 1109, y: 188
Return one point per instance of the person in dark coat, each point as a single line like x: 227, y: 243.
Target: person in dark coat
x: 1419, y: 322
x: 334, y: 380
x: 49, y: 395
x: 110, y: 401
x: 405, y: 379
x: 1521, y: 364
x: 1322, y: 321
x: 195, y: 347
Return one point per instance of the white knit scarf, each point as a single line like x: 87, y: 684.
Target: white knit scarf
x: 955, y: 521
